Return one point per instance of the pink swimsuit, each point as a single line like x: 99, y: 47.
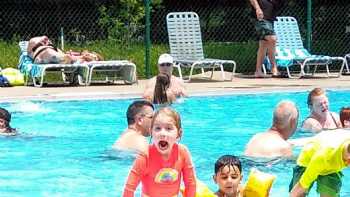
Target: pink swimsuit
x: 162, y: 178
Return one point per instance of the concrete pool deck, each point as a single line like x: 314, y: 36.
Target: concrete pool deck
x: 198, y: 86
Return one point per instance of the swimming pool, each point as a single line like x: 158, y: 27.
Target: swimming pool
x: 64, y: 146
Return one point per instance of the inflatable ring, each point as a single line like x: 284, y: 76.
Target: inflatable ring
x: 202, y: 190
x: 258, y: 184
x: 14, y: 76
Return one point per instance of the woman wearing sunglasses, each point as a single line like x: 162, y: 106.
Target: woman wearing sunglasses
x: 165, y: 67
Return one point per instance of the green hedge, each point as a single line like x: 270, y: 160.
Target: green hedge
x: 239, y: 52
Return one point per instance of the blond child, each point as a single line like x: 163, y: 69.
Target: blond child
x: 228, y: 176
x: 160, y: 171
x: 322, y: 160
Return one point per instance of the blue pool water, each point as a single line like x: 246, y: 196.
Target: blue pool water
x: 65, y: 146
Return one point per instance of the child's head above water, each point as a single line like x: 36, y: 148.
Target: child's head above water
x: 5, y: 119
x: 166, y: 129
x: 228, y: 175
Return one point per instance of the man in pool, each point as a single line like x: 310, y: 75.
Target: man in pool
x: 165, y: 66
x: 273, y: 142
x: 134, y: 138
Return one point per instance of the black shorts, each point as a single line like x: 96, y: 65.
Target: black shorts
x: 264, y: 28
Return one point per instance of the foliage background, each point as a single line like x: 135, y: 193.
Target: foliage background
x: 116, y: 28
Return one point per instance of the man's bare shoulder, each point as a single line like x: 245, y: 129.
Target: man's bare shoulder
x: 256, y: 137
x: 267, y: 145
x: 253, y: 143
x: 129, y: 139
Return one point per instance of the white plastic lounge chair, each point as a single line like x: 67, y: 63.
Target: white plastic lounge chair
x: 290, y: 50
x: 127, y: 68
x: 186, y: 47
x: 37, y: 71
x: 347, y: 57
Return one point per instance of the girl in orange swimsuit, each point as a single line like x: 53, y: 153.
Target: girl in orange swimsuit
x: 160, y: 171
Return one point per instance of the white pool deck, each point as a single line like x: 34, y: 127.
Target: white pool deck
x: 240, y: 84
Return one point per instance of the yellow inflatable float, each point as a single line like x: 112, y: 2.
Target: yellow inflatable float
x: 14, y: 76
x: 258, y: 185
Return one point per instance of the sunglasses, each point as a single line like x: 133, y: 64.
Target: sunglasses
x: 148, y: 116
x: 166, y: 64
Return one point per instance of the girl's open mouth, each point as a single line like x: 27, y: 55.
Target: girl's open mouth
x: 163, y: 145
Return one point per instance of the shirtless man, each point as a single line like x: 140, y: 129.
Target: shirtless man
x: 165, y: 66
x: 134, y: 138
x: 320, y: 117
x: 273, y: 142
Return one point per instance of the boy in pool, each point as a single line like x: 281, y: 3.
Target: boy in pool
x: 322, y: 159
x: 228, y: 176
x: 161, y: 170
x: 5, y: 119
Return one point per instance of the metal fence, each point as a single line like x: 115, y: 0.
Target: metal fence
x: 227, y: 29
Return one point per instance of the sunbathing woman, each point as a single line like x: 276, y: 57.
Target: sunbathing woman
x: 166, y: 163
x: 42, y: 51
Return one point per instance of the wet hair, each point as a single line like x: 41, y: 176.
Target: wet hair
x: 312, y: 94
x: 227, y: 160
x: 6, y: 116
x: 135, y: 108
x: 162, y: 84
x: 171, y: 113
x: 344, y: 114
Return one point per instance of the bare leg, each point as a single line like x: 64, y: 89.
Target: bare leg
x: 271, y: 45
x: 260, y: 58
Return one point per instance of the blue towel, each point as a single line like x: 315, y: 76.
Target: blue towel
x: 27, y: 66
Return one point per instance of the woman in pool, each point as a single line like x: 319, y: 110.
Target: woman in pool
x: 161, y: 170
x: 162, y: 93
x: 5, y: 119
x: 320, y: 117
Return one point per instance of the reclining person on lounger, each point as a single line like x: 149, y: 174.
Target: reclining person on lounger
x: 42, y: 51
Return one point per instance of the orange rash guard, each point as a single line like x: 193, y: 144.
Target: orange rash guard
x: 159, y: 177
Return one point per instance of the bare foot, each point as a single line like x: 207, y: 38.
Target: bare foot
x: 259, y: 75
x: 275, y: 71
